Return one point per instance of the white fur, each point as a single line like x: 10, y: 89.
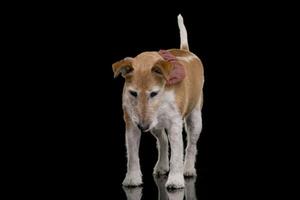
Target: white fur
x: 128, y: 103
x: 134, y: 175
x: 193, y: 128
x: 162, y: 165
x: 187, y: 58
x: 166, y: 111
x: 154, y: 89
x: 174, y: 129
x: 169, y: 118
x: 183, y: 34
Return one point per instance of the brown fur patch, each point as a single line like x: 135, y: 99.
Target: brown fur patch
x: 189, y: 91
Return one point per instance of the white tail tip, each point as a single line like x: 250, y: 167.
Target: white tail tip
x: 183, y: 33
x: 179, y: 18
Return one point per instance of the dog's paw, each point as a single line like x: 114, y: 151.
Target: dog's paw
x: 133, y: 179
x: 190, y: 172
x: 161, y: 170
x: 175, y: 181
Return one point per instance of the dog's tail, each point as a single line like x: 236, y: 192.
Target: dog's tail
x: 183, y: 34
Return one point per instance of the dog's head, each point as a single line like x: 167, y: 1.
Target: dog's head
x: 146, y: 77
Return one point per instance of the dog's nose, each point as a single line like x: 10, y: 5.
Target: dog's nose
x: 143, y: 127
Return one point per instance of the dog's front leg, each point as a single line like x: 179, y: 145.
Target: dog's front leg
x: 175, y: 179
x: 134, y: 175
x: 162, y: 165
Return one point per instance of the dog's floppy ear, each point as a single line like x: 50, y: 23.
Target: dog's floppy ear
x: 162, y: 68
x: 122, y: 67
x: 172, y: 69
x: 172, y: 72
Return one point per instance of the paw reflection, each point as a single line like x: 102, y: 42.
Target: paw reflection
x: 189, y: 190
x: 133, y: 193
x: 188, y: 193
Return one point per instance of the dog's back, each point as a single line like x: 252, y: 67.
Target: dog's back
x: 189, y: 91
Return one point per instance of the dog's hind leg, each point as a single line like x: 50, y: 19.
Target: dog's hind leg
x: 162, y: 165
x: 193, y: 127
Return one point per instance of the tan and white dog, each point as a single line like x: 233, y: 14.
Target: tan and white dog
x: 163, y: 91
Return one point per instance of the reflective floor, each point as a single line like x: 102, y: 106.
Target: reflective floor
x: 160, y: 192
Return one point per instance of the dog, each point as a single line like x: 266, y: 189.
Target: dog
x: 163, y: 91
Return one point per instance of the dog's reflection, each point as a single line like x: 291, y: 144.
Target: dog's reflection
x: 133, y: 193
x: 188, y: 192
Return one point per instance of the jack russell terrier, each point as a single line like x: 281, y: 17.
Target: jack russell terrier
x: 163, y: 91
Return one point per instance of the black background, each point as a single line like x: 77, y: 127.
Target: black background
x: 75, y: 129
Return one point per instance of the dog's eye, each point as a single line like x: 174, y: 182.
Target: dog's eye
x: 153, y: 94
x: 133, y: 93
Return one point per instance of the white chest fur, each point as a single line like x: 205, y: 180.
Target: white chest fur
x: 167, y: 113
